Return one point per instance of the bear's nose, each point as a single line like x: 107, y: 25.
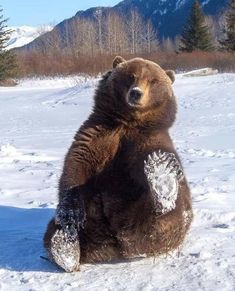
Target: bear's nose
x: 135, y: 94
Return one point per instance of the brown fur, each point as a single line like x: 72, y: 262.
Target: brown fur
x: 106, y: 162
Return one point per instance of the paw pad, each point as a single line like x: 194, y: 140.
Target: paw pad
x: 163, y: 172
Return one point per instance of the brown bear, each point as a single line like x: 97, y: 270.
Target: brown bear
x: 122, y: 193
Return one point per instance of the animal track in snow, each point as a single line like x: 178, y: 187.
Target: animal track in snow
x: 211, y: 153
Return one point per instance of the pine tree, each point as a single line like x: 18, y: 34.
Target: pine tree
x: 229, y: 42
x: 8, y: 65
x: 196, y: 35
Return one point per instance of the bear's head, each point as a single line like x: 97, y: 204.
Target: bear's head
x: 137, y: 92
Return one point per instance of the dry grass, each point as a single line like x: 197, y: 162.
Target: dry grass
x: 224, y: 62
x: 34, y: 63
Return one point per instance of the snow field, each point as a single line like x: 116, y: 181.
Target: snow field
x: 38, y: 119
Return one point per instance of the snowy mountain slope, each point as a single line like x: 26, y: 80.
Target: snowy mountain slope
x: 23, y: 35
x: 37, y: 122
x: 167, y: 16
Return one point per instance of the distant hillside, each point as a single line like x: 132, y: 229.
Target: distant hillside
x: 167, y: 16
x: 23, y: 35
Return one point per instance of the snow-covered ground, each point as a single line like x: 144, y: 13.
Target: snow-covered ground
x: 22, y: 35
x: 38, y: 119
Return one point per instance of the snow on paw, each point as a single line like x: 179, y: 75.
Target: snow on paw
x: 65, y: 251
x: 70, y: 213
x: 163, y: 172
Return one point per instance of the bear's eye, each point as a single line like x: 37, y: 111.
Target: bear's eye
x: 153, y: 81
x: 131, y: 77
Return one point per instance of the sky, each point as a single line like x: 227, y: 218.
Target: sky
x: 40, y: 12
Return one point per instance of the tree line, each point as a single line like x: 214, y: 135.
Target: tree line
x: 197, y: 36
x: 8, y: 66
x: 103, y: 34
x: 108, y: 34
x: 113, y: 34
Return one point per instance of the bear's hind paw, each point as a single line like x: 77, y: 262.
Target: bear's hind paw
x: 163, y: 172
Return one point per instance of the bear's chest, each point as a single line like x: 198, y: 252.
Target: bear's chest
x: 124, y: 177
x: 124, y: 189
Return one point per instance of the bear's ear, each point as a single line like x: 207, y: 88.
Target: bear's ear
x: 118, y: 60
x: 171, y: 75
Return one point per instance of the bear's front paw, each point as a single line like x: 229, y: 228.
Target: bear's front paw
x: 70, y: 213
x: 163, y: 172
x: 65, y: 251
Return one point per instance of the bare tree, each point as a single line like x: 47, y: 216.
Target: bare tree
x: 177, y: 42
x: 168, y: 45
x: 150, y: 38
x: 135, y: 27
x: 116, y: 38
x: 66, y: 39
x: 99, y: 17
x: 214, y: 28
x: 53, y: 41
x: 90, y: 38
x: 84, y: 37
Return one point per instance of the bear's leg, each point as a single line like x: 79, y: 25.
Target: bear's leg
x: 163, y: 172
x: 62, y: 248
x: 61, y: 239
x: 70, y: 213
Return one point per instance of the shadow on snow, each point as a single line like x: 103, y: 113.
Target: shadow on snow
x: 21, y: 239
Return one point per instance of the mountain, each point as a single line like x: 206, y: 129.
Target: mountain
x: 167, y: 16
x: 23, y: 35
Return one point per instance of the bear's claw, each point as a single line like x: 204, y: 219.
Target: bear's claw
x: 163, y: 172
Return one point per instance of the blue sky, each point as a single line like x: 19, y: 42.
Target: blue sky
x: 38, y: 12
